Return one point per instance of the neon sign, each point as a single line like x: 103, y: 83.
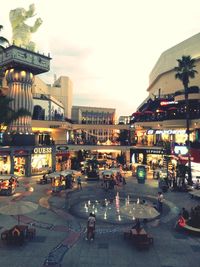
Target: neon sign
x: 166, y: 131
x: 166, y: 103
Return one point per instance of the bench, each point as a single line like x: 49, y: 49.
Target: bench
x: 143, y: 241
x: 140, y: 239
x: 195, y: 193
x: 191, y: 229
x: 18, y: 234
x: 127, y: 234
x: 30, y: 233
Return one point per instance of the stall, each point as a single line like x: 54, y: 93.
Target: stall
x: 58, y: 183
x: 8, y: 185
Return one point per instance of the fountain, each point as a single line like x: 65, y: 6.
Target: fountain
x: 119, y: 211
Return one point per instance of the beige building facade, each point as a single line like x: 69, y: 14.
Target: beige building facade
x: 61, y: 90
x: 162, y: 77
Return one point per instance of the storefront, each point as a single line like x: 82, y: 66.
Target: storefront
x: 5, y: 163
x: 174, y: 136
x: 63, y: 161
x: 151, y: 157
x: 41, y: 160
x: 32, y: 161
x: 20, y: 166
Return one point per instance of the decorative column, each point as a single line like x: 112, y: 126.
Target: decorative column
x: 20, y: 66
x: 20, y: 85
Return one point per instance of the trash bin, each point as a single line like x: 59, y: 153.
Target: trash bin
x: 141, y: 174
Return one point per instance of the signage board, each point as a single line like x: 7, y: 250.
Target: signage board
x: 42, y: 150
x: 168, y: 131
x: 148, y: 151
x: 166, y: 103
x: 61, y: 148
x: 141, y: 174
x: 180, y: 150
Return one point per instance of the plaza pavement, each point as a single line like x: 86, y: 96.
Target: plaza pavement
x: 60, y: 236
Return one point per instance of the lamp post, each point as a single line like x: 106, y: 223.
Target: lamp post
x: 188, y: 133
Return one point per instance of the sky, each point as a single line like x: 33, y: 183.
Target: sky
x: 107, y: 47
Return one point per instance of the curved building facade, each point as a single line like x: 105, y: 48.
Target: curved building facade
x: 162, y: 77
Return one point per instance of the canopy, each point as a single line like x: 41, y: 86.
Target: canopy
x: 172, y: 108
x: 18, y: 208
x: 160, y: 111
x: 148, y: 112
x: 137, y: 113
x: 54, y: 174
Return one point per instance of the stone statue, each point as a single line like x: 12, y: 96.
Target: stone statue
x: 21, y: 31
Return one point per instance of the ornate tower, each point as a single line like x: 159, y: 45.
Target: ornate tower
x: 20, y: 66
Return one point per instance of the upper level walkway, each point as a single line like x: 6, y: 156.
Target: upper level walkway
x: 70, y: 126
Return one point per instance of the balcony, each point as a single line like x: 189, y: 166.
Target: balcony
x: 193, y: 93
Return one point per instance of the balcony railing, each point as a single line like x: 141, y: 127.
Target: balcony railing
x: 167, y: 115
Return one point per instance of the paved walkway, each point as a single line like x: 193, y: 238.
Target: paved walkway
x: 60, y: 238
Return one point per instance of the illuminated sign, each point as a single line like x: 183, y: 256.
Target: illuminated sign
x: 150, y: 132
x: 155, y: 151
x: 148, y: 151
x: 62, y: 148
x: 166, y: 103
x: 180, y: 150
x: 42, y: 150
x: 141, y: 174
x: 166, y: 132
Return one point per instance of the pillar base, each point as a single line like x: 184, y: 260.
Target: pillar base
x: 18, y: 139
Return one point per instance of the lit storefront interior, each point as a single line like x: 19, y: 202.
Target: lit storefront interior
x: 20, y: 164
x: 5, y: 164
x: 41, y: 160
x: 63, y: 161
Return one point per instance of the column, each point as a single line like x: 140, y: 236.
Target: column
x: 20, y: 85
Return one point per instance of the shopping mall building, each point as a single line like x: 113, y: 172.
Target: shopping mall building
x: 158, y: 126
x: 39, y: 143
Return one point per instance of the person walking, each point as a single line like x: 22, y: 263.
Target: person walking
x: 79, y: 182
x: 91, y: 226
x: 160, y: 202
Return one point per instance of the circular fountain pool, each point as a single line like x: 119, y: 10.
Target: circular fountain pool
x: 117, y: 210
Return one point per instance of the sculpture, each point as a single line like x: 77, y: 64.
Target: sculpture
x: 20, y: 30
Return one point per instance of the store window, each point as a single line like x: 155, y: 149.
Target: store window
x: 41, y: 163
x: 20, y: 166
x: 5, y: 164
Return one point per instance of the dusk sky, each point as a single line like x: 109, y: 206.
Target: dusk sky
x: 107, y: 47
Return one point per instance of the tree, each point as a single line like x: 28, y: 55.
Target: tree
x: 3, y: 42
x: 7, y: 115
x: 184, y: 72
x: 123, y: 137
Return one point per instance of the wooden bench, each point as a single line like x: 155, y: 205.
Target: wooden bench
x: 127, y: 234
x: 30, y: 234
x: 143, y: 241
x: 18, y: 234
x: 140, y: 239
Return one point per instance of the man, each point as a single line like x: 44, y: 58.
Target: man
x: 91, y: 226
x: 197, y: 184
x: 79, y: 182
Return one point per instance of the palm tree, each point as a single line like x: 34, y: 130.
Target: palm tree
x: 3, y: 42
x: 184, y: 72
x: 7, y: 115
